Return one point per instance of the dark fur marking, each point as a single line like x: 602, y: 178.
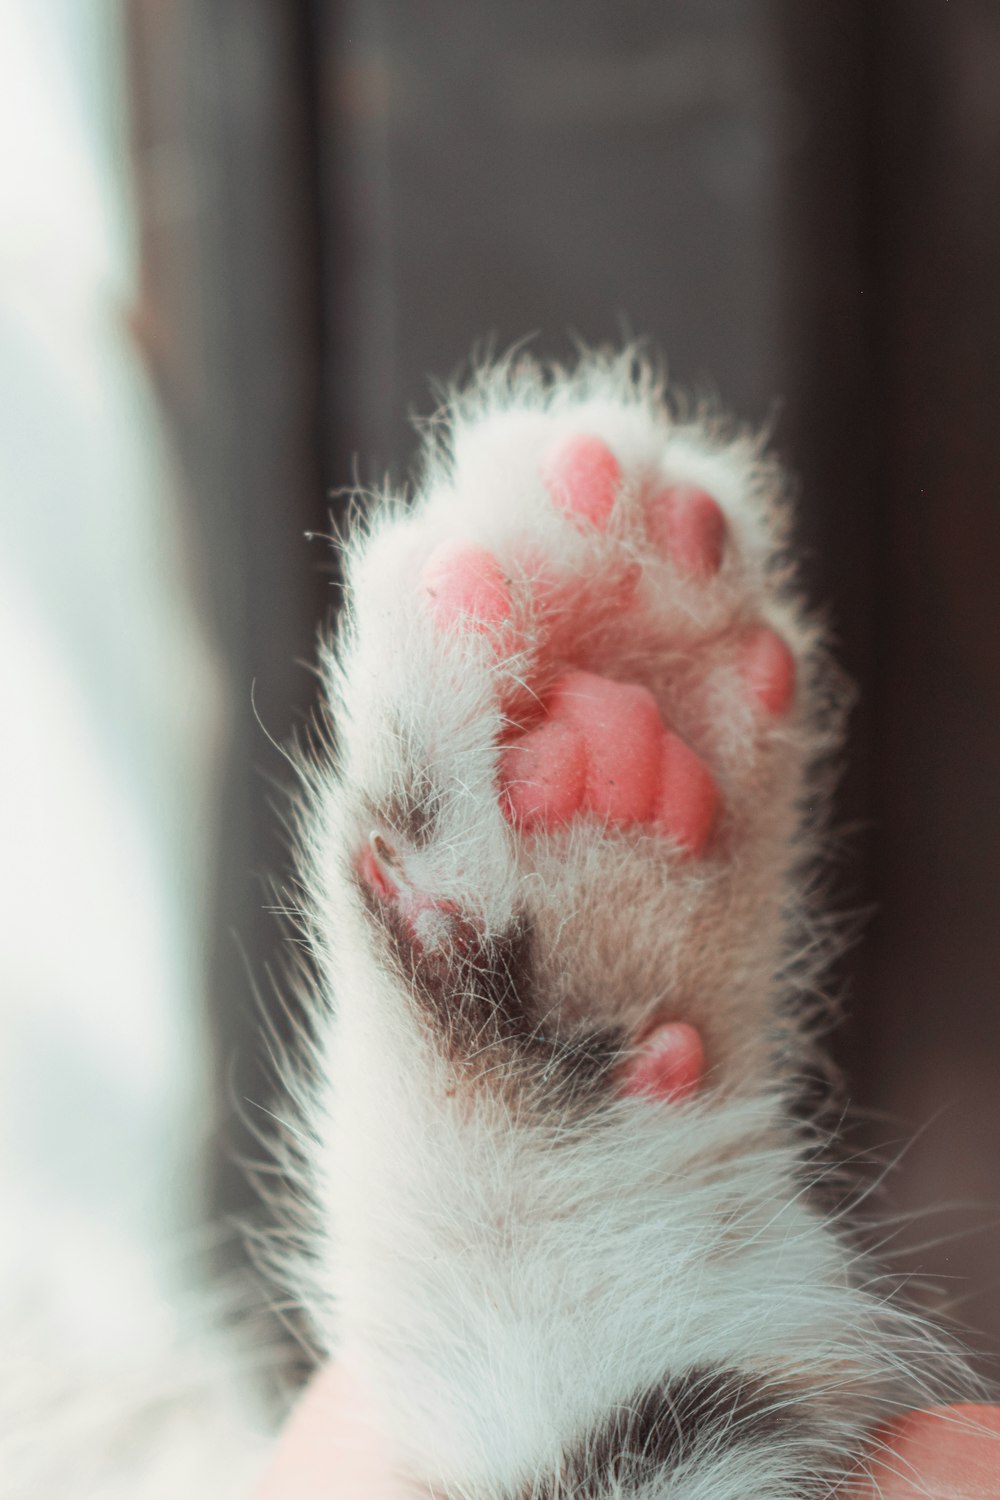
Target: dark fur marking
x: 479, y: 999
x: 580, y: 1068
x: 410, y: 815
x: 475, y: 994
x: 708, y: 1410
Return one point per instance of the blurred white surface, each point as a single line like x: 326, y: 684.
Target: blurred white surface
x: 113, y: 715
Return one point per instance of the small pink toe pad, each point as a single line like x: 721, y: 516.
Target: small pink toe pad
x: 467, y: 586
x: 687, y: 524
x: 768, y: 668
x: 583, y: 476
x: 687, y: 802
x: 602, y: 748
x: 670, y: 1063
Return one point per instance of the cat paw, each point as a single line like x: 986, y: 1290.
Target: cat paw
x: 577, y: 682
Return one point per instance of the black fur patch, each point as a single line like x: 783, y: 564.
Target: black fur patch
x: 689, y: 1418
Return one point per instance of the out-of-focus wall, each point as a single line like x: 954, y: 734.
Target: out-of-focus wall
x: 228, y: 318
x: 115, y: 714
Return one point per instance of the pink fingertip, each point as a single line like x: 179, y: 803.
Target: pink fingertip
x: 670, y: 1063
x: 583, y: 476
x: 686, y: 523
x: 544, y: 775
x: 768, y: 668
x: 687, y: 803
x: 466, y: 586
x: 949, y: 1452
x: 621, y: 726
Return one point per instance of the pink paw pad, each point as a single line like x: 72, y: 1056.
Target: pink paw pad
x: 603, y: 749
x: 621, y: 728
x: 466, y: 586
x: 687, y: 803
x: 670, y: 1063
x: 545, y: 775
x: 689, y: 527
x: 768, y: 669
x: 583, y: 476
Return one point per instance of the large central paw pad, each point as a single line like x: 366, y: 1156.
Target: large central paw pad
x: 603, y: 749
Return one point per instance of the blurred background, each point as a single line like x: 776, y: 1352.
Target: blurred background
x: 236, y: 236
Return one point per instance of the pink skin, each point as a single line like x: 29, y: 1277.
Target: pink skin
x: 331, y: 1449
x: 603, y: 749
x: 948, y: 1452
x: 545, y: 775
x: 687, y: 803
x: 669, y: 1063
x: 467, y: 587
x: 583, y: 477
x: 768, y: 669
x: 374, y: 864
x: 688, y: 527
x: 621, y: 727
